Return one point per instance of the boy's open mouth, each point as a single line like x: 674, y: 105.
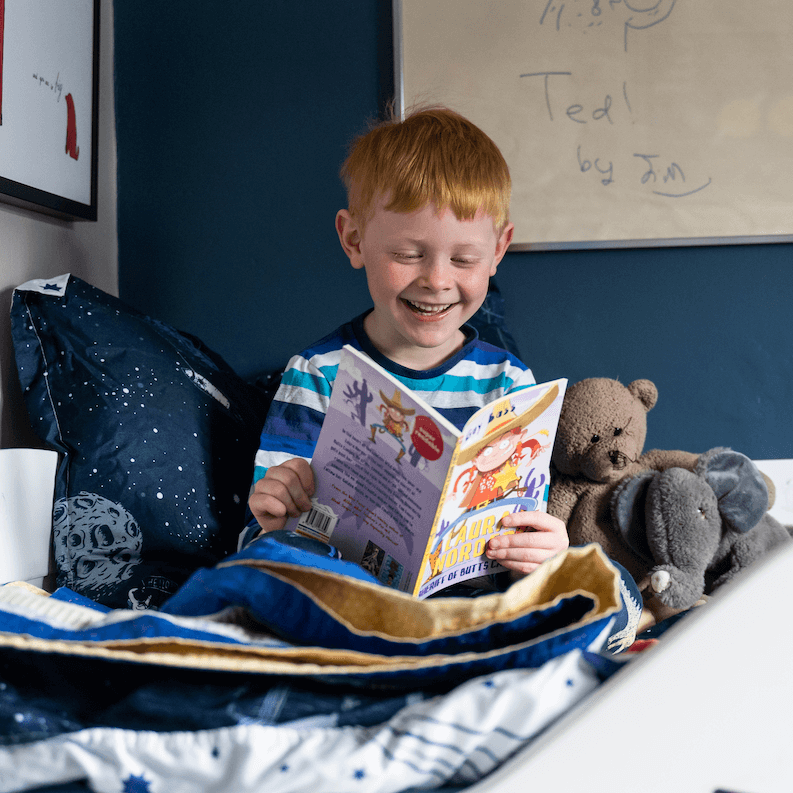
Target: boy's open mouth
x: 427, y: 309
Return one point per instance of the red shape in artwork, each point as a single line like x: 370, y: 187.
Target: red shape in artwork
x: 72, y: 149
x: 427, y: 438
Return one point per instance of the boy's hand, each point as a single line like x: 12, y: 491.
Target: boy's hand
x: 284, y: 491
x: 539, y: 537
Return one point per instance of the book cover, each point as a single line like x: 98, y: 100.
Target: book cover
x: 406, y: 495
x: 501, y: 465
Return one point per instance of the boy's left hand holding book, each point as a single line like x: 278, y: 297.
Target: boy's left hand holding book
x: 538, y: 537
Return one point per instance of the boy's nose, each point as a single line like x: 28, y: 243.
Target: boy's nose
x: 436, y: 276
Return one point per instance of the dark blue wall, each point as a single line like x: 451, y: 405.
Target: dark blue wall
x: 711, y: 327
x: 232, y: 121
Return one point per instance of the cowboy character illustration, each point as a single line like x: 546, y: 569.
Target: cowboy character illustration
x: 494, y: 473
x: 394, y: 423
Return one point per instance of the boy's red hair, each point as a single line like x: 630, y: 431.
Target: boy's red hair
x: 435, y: 156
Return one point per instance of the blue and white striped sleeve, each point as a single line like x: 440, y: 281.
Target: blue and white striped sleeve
x: 296, y: 415
x: 521, y: 378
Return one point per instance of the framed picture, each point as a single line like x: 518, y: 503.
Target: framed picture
x: 49, y: 81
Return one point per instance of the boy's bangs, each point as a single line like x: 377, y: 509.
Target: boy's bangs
x: 448, y: 173
x: 464, y: 200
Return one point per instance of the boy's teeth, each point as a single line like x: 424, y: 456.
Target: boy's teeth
x: 427, y: 308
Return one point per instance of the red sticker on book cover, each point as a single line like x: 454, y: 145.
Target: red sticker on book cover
x: 427, y: 438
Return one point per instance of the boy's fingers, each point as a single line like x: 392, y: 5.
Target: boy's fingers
x: 303, y: 470
x: 537, y: 537
x: 284, y: 491
x: 524, y: 540
x: 521, y: 560
x: 540, y: 521
x: 292, y: 484
x: 526, y: 562
x: 533, y: 529
x: 280, y: 497
x: 269, y: 503
x: 519, y: 550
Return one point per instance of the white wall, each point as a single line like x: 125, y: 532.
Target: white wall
x: 33, y: 245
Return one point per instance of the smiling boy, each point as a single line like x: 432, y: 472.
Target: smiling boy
x: 427, y: 273
x: 428, y: 223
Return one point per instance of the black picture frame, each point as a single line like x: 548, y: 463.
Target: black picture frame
x: 77, y: 198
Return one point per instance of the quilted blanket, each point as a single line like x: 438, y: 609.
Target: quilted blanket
x: 265, y: 673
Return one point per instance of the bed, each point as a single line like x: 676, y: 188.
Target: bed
x: 131, y: 659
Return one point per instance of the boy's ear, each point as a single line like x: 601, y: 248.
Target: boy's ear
x: 501, y: 246
x: 349, y: 237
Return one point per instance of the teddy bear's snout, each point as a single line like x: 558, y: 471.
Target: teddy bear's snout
x: 607, y: 465
x: 618, y: 459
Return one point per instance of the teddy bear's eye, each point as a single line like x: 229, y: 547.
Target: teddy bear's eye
x: 618, y: 430
x: 595, y: 438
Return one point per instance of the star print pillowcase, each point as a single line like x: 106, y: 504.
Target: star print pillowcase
x: 156, y: 433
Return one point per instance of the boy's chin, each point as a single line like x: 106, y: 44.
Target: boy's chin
x: 443, y: 341
x: 433, y: 340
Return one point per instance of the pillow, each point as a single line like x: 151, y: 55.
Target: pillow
x: 157, y: 436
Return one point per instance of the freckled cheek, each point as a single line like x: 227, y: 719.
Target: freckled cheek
x: 382, y: 286
x: 398, y: 287
x: 473, y: 289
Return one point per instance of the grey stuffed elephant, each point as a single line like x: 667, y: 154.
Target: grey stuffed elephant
x: 697, y: 530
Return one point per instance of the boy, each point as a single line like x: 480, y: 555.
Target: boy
x: 428, y: 222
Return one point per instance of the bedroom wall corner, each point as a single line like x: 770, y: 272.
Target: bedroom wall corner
x: 33, y: 245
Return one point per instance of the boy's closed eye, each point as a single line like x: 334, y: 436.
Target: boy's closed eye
x: 460, y: 261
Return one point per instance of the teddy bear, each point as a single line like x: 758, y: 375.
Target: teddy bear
x: 697, y: 529
x: 600, y: 441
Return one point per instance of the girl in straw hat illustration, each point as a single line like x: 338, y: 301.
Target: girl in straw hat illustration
x: 495, y: 457
x: 393, y: 420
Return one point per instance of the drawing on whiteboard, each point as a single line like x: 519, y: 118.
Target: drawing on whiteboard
x: 672, y: 174
x: 610, y: 111
x: 670, y: 178
x: 576, y: 111
x: 587, y: 14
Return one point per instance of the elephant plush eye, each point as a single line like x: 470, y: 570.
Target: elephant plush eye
x: 595, y: 438
x: 618, y: 430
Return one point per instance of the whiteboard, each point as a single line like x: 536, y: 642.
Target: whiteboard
x: 623, y: 122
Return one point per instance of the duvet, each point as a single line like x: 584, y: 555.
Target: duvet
x: 276, y: 672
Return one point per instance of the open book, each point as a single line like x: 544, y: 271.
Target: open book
x: 406, y: 495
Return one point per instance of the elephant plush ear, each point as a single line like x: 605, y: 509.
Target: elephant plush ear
x: 739, y: 487
x: 628, y: 512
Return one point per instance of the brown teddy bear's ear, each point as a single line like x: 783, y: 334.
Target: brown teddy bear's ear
x: 645, y: 391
